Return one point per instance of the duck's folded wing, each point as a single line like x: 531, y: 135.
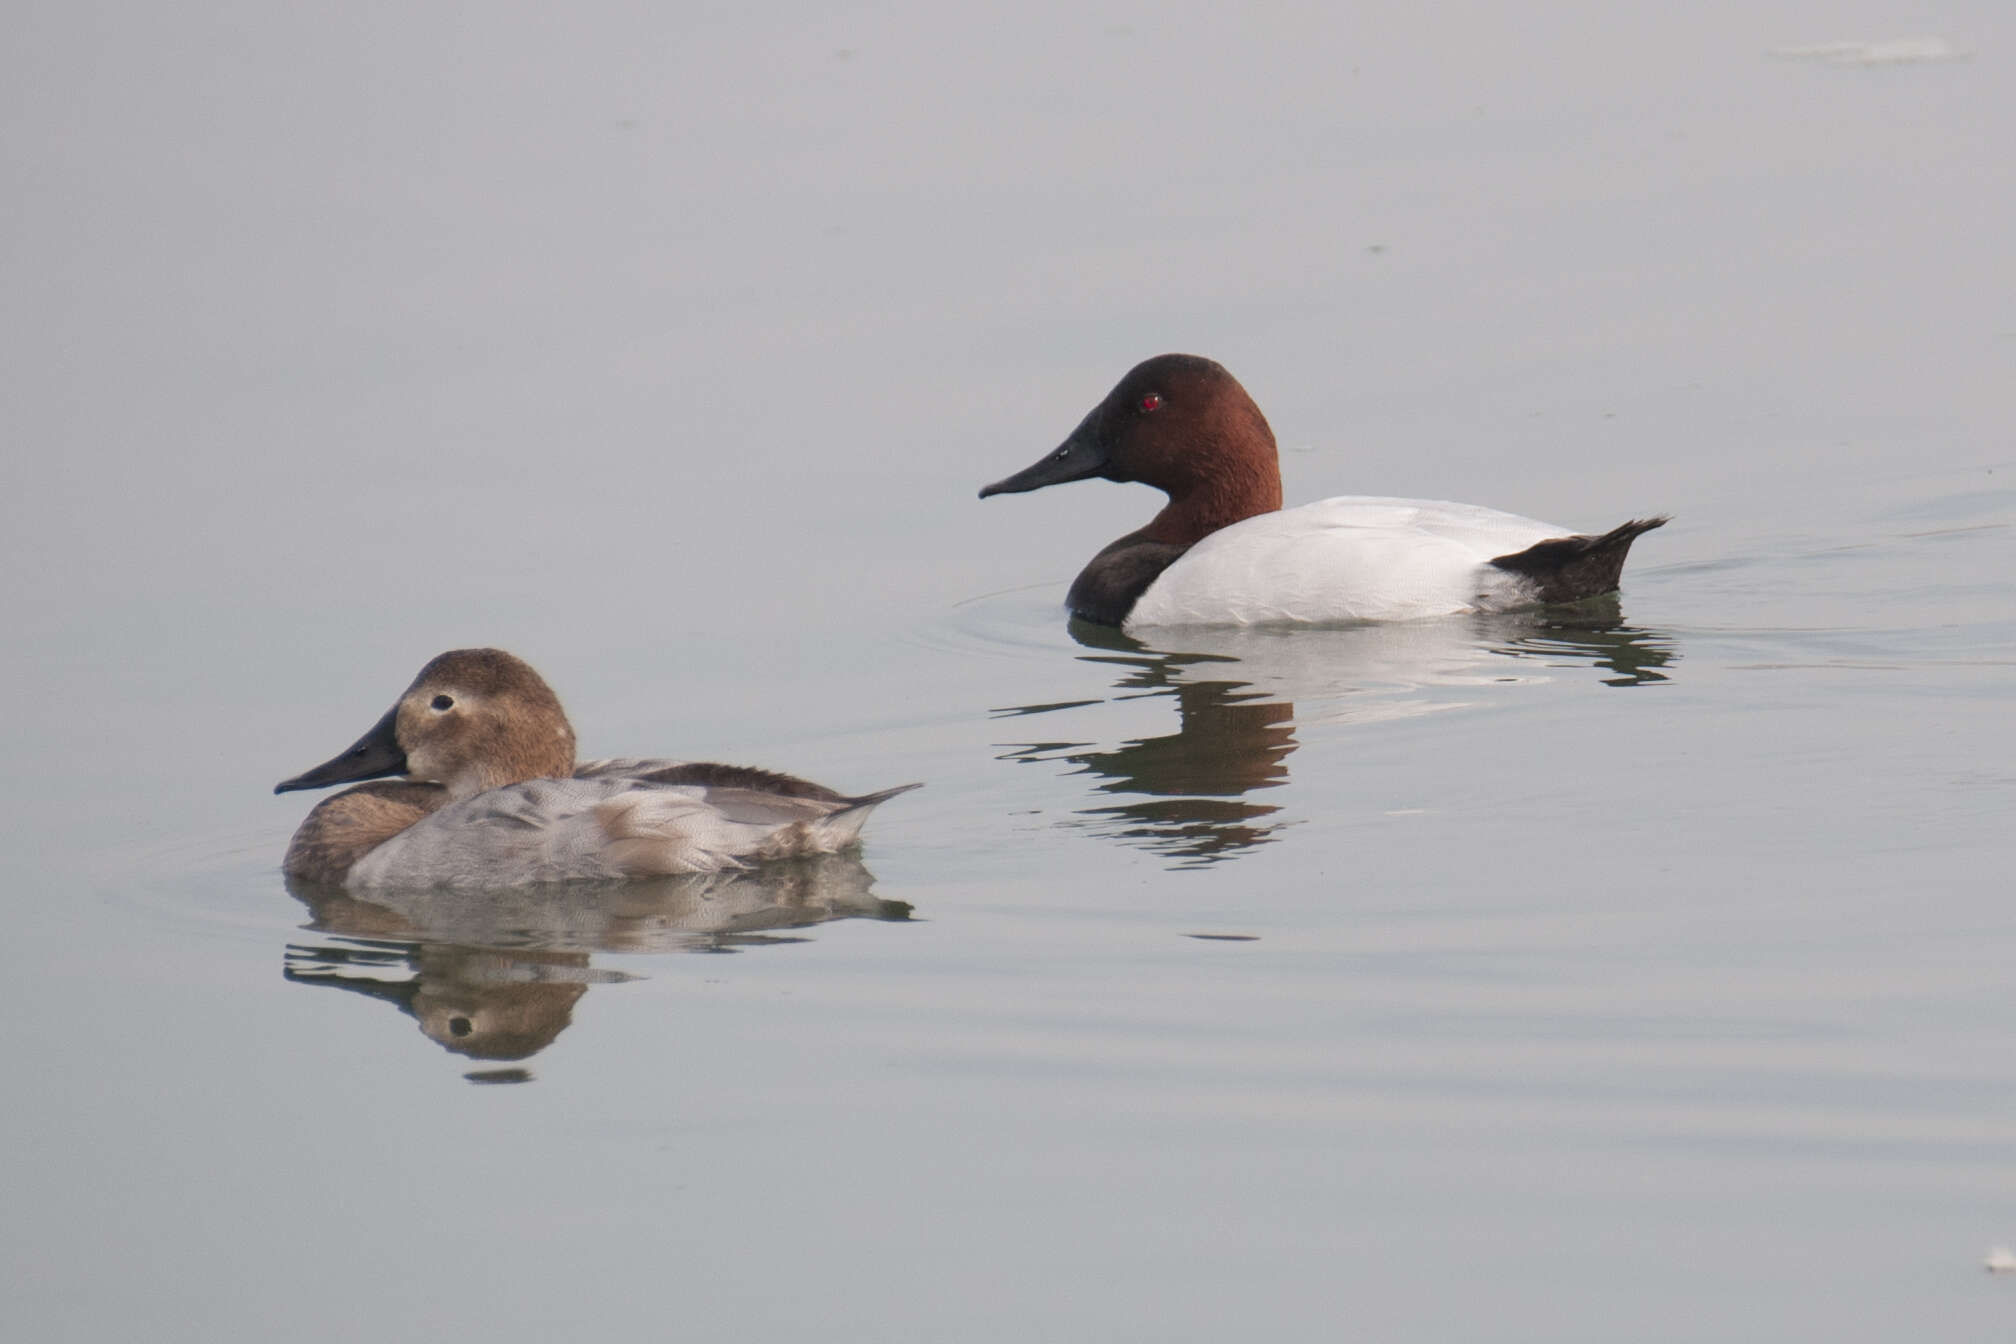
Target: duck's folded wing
x: 624, y: 767
x: 680, y: 828
x: 570, y: 830
x: 706, y: 773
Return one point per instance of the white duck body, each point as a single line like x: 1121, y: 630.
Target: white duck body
x: 1349, y: 558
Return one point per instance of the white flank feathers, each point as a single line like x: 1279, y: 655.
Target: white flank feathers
x: 1350, y: 558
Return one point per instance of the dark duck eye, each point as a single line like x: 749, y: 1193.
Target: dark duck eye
x: 444, y: 702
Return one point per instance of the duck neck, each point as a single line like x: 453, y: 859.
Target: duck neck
x: 514, y: 762
x: 1201, y: 507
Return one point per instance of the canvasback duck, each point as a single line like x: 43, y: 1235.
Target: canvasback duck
x: 493, y: 797
x: 1224, y: 552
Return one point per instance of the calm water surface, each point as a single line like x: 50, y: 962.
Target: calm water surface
x: 1641, y: 971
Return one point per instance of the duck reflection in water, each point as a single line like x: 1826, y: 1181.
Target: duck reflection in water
x: 1236, y: 691
x: 494, y: 975
x: 1231, y: 740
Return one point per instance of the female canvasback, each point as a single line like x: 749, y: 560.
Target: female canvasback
x: 493, y: 797
x: 1224, y: 552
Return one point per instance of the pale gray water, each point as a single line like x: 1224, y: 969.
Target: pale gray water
x: 1643, y: 976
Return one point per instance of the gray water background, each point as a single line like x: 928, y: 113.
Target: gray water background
x: 1640, y: 976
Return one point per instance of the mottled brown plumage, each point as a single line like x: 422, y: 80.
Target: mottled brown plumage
x: 494, y: 797
x: 346, y: 826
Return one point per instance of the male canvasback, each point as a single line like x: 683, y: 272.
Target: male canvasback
x: 1224, y: 552
x: 493, y: 797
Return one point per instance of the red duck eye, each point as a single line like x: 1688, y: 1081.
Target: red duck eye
x: 1151, y: 402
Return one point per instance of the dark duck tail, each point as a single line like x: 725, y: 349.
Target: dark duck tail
x: 1568, y: 569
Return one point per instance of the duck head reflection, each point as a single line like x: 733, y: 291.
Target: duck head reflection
x: 494, y: 975
x: 1236, y: 691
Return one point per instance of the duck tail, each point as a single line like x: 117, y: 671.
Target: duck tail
x: 842, y: 827
x: 1568, y: 569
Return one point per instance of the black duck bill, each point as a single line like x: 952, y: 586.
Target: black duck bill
x: 372, y: 756
x: 1078, y: 458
